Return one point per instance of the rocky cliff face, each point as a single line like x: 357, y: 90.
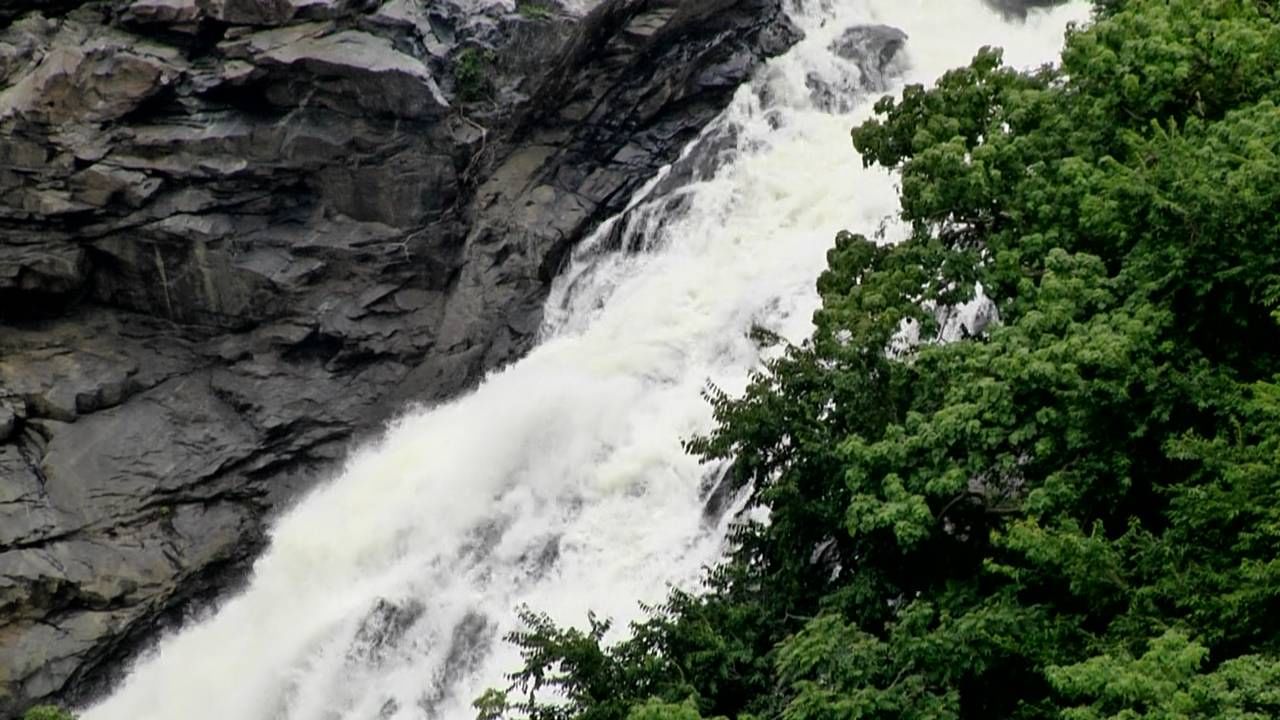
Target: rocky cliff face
x: 236, y: 234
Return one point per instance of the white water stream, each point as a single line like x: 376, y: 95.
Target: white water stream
x: 560, y: 482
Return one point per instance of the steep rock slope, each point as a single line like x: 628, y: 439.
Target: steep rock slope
x: 236, y: 234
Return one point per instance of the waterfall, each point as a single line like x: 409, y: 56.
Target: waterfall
x: 560, y: 482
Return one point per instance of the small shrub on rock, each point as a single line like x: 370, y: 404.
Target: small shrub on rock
x: 472, y: 71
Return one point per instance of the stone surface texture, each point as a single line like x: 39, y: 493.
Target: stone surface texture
x: 237, y: 235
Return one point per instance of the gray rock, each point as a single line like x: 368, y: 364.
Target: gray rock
x: 363, y: 73
x: 1018, y: 9
x: 236, y: 235
x: 164, y: 12
x: 170, y: 440
x: 875, y: 51
x: 874, y: 48
x: 63, y: 383
x: 42, y: 269
x: 93, y: 80
x: 25, y: 513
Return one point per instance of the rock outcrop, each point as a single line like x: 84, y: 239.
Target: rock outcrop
x: 235, y: 235
x: 1018, y: 9
x: 875, y: 50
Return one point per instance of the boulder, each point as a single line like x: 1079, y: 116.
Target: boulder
x: 1018, y: 9
x: 874, y: 49
x: 874, y: 56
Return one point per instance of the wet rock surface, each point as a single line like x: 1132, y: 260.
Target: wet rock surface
x: 876, y: 52
x: 1018, y: 9
x: 236, y: 235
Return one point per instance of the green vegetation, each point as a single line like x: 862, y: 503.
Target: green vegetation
x: 473, y: 74
x: 47, y: 712
x: 1074, y: 513
x: 533, y: 10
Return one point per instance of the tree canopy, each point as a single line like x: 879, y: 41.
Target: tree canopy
x: 1071, y: 512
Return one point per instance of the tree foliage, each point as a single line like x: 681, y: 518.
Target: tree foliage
x: 47, y: 712
x: 1073, y: 512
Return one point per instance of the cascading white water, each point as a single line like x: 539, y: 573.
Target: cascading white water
x: 560, y: 482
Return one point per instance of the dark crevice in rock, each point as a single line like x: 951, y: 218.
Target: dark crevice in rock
x: 315, y: 347
x: 12, y: 9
